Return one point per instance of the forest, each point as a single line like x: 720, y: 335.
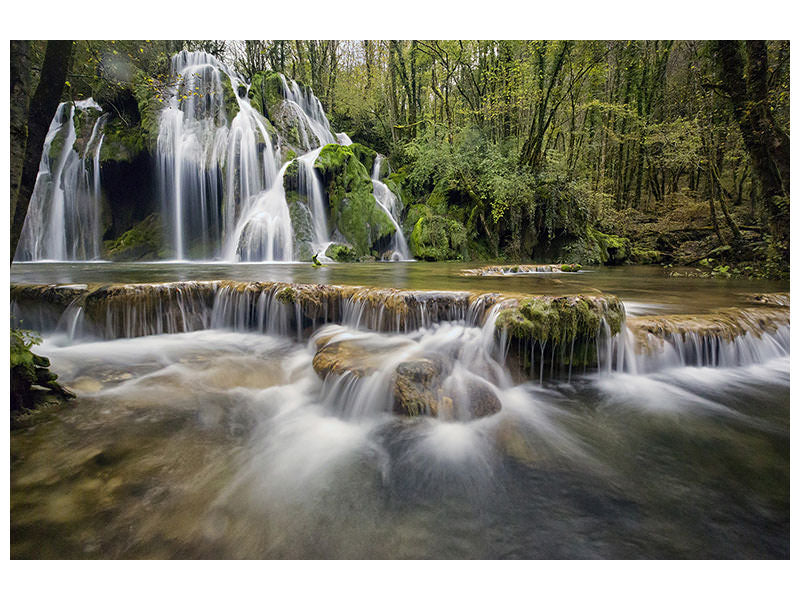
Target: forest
x: 590, y: 151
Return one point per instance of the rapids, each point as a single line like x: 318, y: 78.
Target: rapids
x: 208, y: 426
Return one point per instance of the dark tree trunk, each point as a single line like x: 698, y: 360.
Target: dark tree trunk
x: 20, y: 96
x: 42, y: 108
x: 766, y: 143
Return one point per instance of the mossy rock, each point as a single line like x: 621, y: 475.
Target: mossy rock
x: 354, y: 212
x: 32, y: 383
x: 571, y: 268
x: 365, y: 155
x: 597, y: 248
x: 342, y: 253
x: 122, y: 143
x: 147, y: 99
x: 302, y: 225
x: 435, y: 237
x: 266, y: 92
x: 141, y: 242
x: 644, y: 256
x: 567, y: 326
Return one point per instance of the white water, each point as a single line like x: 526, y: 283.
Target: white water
x: 313, y: 125
x: 221, y: 187
x: 63, y: 220
x: 310, y: 185
x: 622, y: 353
x: 389, y: 202
x: 211, y: 168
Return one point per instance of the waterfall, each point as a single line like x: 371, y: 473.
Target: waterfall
x: 729, y: 338
x: 63, y: 219
x: 310, y: 116
x: 264, y: 232
x: 211, y: 169
x: 310, y: 185
x: 390, y: 204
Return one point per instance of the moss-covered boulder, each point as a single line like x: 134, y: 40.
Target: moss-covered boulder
x: 342, y: 253
x: 32, y: 382
x: 598, y: 248
x: 436, y: 237
x: 644, y: 256
x: 266, y: 92
x: 365, y: 155
x: 354, y: 213
x: 141, y: 242
x: 567, y: 326
x: 615, y: 249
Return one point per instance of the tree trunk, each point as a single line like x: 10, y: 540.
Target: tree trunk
x: 43, y: 106
x: 20, y: 96
x: 766, y: 143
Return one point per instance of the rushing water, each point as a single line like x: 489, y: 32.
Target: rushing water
x: 63, y: 220
x: 389, y: 202
x: 225, y: 442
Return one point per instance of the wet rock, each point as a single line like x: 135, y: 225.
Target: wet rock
x: 415, y: 385
x: 499, y: 270
x: 725, y: 324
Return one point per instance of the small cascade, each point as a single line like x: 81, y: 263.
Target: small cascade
x: 264, y: 232
x: 63, y: 220
x: 389, y: 202
x: 313, y: 126
x: 343, y: 139
x: 728, y: 338
x: 538, y: 338
x: 309, y: 185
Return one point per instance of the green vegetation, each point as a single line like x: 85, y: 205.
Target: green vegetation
x: 593, y: 152
x: 142, y: 242
x: 353, y: 209
x: 32, y: 383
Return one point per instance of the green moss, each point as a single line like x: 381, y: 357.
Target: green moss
x: 561, y: 320
x: 141, y: 242
x: 231, y: 104
x: 122, y: 143
x: 643, y: 256
x: 615, y: 249
x: 266, y: 92
x: 287, y: 295
x: 29, y: 370
x: 438, y: 238
x: 354, y: 212
x: 365, y: 155
x: 341, y: 253
x: 571, y: 268
x: 147, y: 99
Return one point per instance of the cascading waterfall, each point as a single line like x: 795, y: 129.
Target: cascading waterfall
x: 389, y: 202
x: 310, y: 115
x: 264, y: 232
x: 197, y: 145
x: 222, y: 190
x: 310, y: 185
x: 63, y: 220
